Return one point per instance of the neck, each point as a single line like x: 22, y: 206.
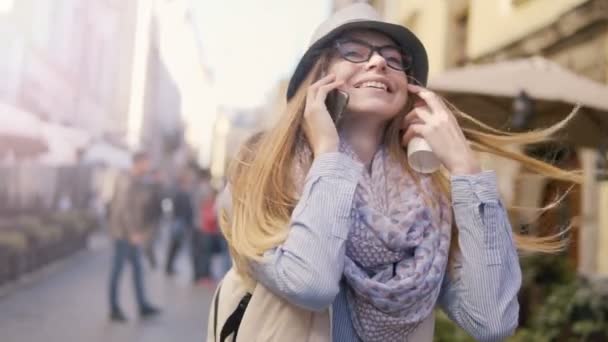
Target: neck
x: 363, y: 134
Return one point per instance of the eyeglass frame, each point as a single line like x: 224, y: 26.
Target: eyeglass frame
x: 375, y: 48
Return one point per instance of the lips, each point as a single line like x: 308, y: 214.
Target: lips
x: 376, y: 84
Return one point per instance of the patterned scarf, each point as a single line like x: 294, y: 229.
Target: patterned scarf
x: 396, y: 252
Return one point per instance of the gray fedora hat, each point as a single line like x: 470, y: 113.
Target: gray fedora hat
x: 359, y: 16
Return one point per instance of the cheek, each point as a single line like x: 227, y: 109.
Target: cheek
x: 342, y: 69
x: 402, y: 99
x: 402, y: 93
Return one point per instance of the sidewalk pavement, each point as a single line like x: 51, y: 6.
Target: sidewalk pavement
x: 70, y: 304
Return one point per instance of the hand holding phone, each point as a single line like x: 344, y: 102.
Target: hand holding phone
x: 318, y: 124
x: 336, y: 102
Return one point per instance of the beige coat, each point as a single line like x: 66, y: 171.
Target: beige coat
x: 127, y: 207
x: 270, y: 318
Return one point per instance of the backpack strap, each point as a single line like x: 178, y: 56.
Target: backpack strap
x: 234, y: 320
x: 215, y: 305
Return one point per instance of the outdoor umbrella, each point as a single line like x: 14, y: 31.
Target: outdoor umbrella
x: 20, y: 133
x: 64, y: 143
x: 487, y: 92
x: 101, y: 152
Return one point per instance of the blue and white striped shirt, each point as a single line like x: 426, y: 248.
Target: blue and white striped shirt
x: 306, y: 270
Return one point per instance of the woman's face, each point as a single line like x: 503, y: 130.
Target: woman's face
x: 375, y: 86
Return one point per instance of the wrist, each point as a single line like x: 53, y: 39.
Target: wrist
x: 466, y: 167
x: 326, y: 148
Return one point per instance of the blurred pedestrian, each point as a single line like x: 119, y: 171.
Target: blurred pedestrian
x: 335, y: 236
x: 181, y: 225
x: 212, y: 258
x: 153, y: 212
x: 203, y: 191
x: 127, y: 227
x: 222, y: 201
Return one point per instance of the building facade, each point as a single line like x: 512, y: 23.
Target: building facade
x: 162, y: 126
x: 70, y: 62
x: 573, y: 33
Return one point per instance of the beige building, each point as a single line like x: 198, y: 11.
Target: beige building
x: 573, y: 33
x: 231, y: 130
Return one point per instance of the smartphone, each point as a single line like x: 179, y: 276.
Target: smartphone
x: 336, y: 103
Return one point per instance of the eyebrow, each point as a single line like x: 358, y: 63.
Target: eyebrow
x: 361, y: 40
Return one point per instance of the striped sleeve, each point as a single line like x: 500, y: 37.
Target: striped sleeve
x: 481, y: 294
x: 306, y: 269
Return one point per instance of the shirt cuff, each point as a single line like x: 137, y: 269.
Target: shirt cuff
x: 470, y: 189
x: 336, y: 164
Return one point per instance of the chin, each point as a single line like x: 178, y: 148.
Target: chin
x: 379, y: 108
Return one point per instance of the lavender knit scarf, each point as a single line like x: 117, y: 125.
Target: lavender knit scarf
x: 396, y: 252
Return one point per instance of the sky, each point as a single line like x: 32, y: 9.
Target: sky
x: 6, y: 5
x: 249, y: 45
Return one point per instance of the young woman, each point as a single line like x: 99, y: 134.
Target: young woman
x: 329, y: 215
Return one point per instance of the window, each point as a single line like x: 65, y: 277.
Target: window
x: 459, y: 40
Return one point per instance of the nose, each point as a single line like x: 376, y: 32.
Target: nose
x: 376, y: 61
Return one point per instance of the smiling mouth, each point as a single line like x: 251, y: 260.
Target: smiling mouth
x: 374, y: 85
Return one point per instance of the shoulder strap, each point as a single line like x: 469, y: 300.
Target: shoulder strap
x: 215, y: 304
x: 234, y: 320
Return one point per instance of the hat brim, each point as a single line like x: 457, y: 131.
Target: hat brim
x: 401, y: 35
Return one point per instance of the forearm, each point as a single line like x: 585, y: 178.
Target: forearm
x: 306, y: 269
x: 482, y: 296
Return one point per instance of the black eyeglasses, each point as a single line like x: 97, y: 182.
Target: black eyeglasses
x: 357, y: 51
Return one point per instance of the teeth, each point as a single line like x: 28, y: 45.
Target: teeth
x: 378, y: 85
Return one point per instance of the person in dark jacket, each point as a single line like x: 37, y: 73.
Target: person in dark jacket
x: 182, y: 220
x: 153, y: 213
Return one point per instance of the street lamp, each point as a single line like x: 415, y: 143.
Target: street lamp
x: 523, y: 111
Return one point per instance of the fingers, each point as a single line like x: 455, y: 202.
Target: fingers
x: 437, y: 107
x: 318, y: 124
x: 432, y: 100
x: 320, y: 89
x: 414, y: 130
x: 325, y: 89
x: 322, y: 81
x: 417, y: 115
x: 314, y: 88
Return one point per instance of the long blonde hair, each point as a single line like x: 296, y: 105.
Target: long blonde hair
x: 264, y: 193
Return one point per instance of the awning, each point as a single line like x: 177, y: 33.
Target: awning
x: 487, y: 92
x: 20, y: 133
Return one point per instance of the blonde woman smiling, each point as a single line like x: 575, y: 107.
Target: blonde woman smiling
x: 330, y: 217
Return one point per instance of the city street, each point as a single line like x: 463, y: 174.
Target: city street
x: 123, y: 121
x: 69, y: 303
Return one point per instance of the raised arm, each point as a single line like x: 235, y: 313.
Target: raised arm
x: 481, y: 294
x: 306, y: 269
